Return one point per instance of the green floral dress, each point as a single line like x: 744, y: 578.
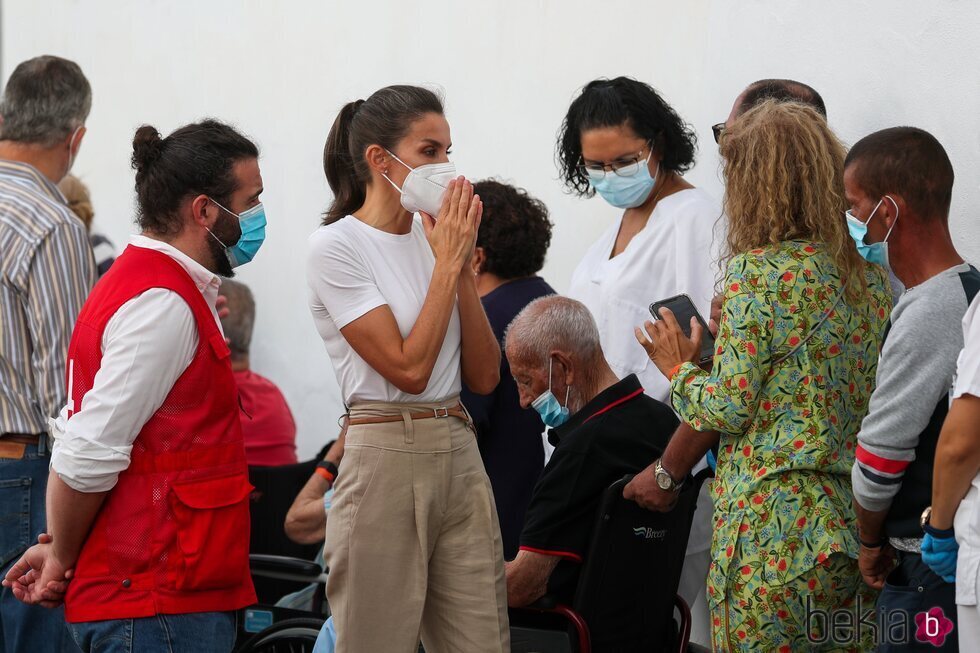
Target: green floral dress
x: 784, y: 523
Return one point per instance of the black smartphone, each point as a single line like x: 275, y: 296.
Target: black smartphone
x: 683, y: 309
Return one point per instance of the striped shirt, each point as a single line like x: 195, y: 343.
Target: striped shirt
x: 46, y: 272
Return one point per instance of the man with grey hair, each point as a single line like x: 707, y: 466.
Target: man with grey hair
x: 268, y: 427
x: 602, y: 427
x: 46, y: 272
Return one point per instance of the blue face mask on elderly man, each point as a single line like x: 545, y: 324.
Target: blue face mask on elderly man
x: 552, y: 413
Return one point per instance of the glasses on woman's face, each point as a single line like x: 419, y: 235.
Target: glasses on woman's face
x: 623, y: 167
x: 718, y: 130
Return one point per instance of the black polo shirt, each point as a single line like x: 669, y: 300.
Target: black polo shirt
x: 621, y: 431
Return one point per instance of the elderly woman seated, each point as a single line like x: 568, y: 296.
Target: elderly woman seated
x: 603, y: 428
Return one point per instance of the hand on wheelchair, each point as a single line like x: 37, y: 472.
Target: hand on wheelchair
x: 645, y: 491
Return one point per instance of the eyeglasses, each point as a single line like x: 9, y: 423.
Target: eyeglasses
x: 620, y: 167
x: 718, y: 130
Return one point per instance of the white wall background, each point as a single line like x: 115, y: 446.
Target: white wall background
x: 281, y: 70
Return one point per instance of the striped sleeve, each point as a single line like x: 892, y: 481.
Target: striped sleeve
x: 914, y: 374
x: 60, y: 276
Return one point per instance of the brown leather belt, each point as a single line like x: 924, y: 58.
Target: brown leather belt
x: 20, y: 438
x: 456, y: 411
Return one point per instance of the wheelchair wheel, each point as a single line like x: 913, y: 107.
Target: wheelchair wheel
x: 289, y: 636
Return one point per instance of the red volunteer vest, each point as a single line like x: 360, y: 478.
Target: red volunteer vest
x: 172, y: 536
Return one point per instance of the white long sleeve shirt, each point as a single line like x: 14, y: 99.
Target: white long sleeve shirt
x: 146, y: 346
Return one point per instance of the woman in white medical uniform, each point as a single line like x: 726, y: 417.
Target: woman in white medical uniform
x: 622, y: 140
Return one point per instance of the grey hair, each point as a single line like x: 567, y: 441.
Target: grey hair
x: 553, y: 323
x: 45, y: 100
x: 240, y: 321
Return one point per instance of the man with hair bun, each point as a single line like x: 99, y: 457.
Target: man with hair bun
x: 46, y: 271
x: 148, y: 492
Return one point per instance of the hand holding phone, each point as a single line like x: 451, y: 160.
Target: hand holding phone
x: 683, y: 309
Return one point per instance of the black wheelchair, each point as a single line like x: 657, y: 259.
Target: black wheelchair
x: 280, y: 566
x: 634, y: 554
x: 269, y: 628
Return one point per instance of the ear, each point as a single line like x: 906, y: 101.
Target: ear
x: 203, y: 211
x: 893, y: 206
x: 479, y: 256
x: 564, y: 362
x: 378, y: 159
x: 75, y: 140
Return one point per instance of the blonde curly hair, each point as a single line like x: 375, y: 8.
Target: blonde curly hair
x: 784, y: 179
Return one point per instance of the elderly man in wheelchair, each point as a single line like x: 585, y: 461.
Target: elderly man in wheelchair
x: 579, y: 530
x: 594, y: 572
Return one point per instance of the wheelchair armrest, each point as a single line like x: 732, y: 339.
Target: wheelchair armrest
x: 285, y: 568
x: 549, y: 604
x: 546, y: 602
x: 684, y: 628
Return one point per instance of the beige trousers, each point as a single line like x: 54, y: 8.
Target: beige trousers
x: 413, y: 542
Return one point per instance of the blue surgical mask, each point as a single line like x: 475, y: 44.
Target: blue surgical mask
x: 626, y: 192
x: 253, y: 224
x: 552, y: 413
x: 874, y: 252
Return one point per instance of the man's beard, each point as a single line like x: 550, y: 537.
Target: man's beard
x: 228, y: 231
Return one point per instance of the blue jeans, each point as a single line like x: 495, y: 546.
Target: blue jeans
x: 910, y: 589
x: 23, y: 482
x: 165, y: 633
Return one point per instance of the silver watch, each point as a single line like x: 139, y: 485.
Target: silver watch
x: 664, y: 479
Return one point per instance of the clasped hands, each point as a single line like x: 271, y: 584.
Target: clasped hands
x: 39, y: 578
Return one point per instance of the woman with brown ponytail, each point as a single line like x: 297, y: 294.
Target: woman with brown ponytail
x: 413, y: 544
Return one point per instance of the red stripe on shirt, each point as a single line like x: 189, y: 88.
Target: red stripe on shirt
x: 560, y: 554
x: 881, y: 464
x: 635, y: 393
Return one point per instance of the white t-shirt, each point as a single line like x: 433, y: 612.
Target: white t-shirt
x: 967, y: 379
x: 967, y: 520
x: 354, y: 268
x: 676, y: 252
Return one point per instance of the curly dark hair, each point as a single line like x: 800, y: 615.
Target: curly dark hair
x: 515, y: 232
x: 623, y: 101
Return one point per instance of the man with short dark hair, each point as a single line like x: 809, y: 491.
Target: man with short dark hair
x: 46, y: 271
x: 899, y: 184
x: 148, y: 492
x: 777, y: 90
x: 268, y: 426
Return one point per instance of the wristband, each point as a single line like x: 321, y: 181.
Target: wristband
x: 939, y: 533
x: 674, y: 370
x: 326, y: 470
x: 874, y: 545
